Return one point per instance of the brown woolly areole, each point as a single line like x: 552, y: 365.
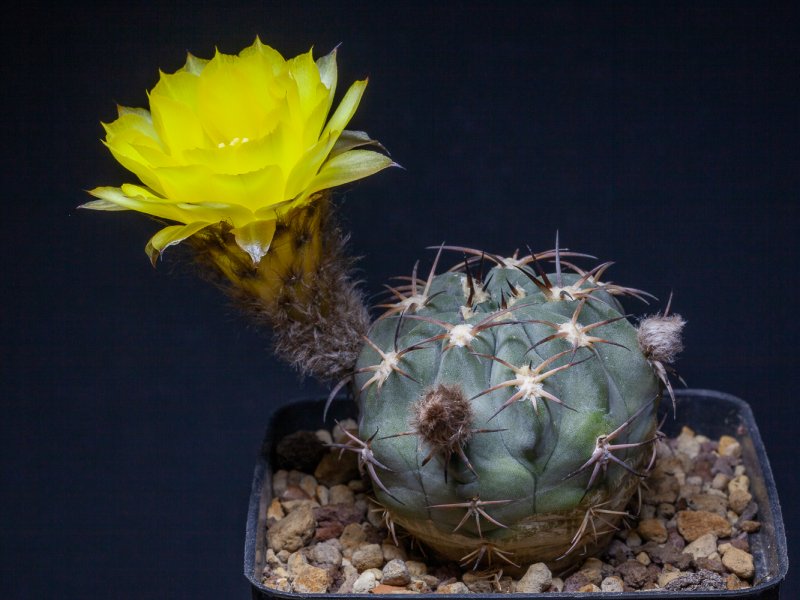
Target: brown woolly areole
x: 660, y: 337
x: 302, y: 289
x: 443, y: 417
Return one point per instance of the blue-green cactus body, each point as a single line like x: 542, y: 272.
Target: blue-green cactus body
x: 524, y: 495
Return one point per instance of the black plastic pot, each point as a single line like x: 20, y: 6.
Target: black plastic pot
x: 710, y: 413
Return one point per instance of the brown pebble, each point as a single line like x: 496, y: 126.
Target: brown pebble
x: 732, y: 582
x: 740, y: 562
x: 750, y: 526
x: 294, y: 492
x: 653, y: 530
x: 633, y: 573
x: 729, y: 446
x: 738, y: 500
x: 694, y: 523
x: 382, y: 588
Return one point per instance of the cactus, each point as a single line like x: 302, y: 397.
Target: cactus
x: 508, y: 416
x: 504, y: 416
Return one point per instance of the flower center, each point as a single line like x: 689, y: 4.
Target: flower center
x: 233, y: 142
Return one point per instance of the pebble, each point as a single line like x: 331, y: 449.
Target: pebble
x: 416, y: 568
x: 667, y: 576
x: 324, y: 436
x: 589, y: 587
x: 392, y: 552
x: 344, y: 425
x: 739, y: 561
x: 693, y: 524
x: 341, y: 494
x: 293, y: 531
x: 323, y: 495
x: 593, y: 569
x: 365, y: 582
x: 395, y: 572
x: 738, y: 500
x: 633, y: 540
x: 326, y: 554
x: 729, y: 446
x: 557, y: 585
x: 536, y: 580
x: 308, y: 483
x: 688, y: 443
x: 367, y: 556
x: 732, y: 582
x: 352, y: 537
x: 653, y: 530
x: 275, y: 510
x: 713, y: 503
x: 453, y: 588
x: 334, y: 469
x: 612, y: 583
x: 696, y: 582
x: 280, y: 480
x: 720, y: 481
x: 311, y: 580
x: 383, y: 588
x: 703, y: 546
x: 633, y: 573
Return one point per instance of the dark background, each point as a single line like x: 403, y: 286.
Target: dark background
x: 662, y: 136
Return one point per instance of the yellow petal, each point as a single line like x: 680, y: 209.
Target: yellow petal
x: 347, y: 167
x: 197, y: 184
x: 101, y: 204
x: 328, y: 73
x: 308, y: 166
x: 136, y: 198
x: 255, y: 238
x: 194, y: 65
x: 236, y: 98
x: 177, y: 123
x: 169, y: 236
x: 243, y: 156
x: 347, y: 107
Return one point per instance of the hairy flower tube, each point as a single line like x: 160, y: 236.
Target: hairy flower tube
x: 238, y: 141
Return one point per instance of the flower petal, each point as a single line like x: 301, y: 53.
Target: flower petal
x: 350, y: 139
x: 198, y: 184
x: 347, y: 107
x: 137, y: 198
x: 170, y: 236
x: 173, y: 103
x: 255, y: 238
x: 347, y: 167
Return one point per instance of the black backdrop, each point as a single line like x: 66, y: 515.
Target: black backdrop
x: 662, y: 136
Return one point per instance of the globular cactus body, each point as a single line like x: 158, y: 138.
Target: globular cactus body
x: 504, y: 416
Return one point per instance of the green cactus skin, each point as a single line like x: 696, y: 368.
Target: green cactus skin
x: 538, y: 485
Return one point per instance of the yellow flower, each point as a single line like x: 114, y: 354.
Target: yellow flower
x: 237, y: 139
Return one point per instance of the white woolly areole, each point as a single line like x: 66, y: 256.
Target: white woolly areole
x: 529, y: 385
x: 461, y: 335
x: 567, y: 292
x: 509, y: 262
x: 479, y: 297
x: 574, y: 335
x: 390, y: 360
x: 414, y: 302
x: 660, y: 337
